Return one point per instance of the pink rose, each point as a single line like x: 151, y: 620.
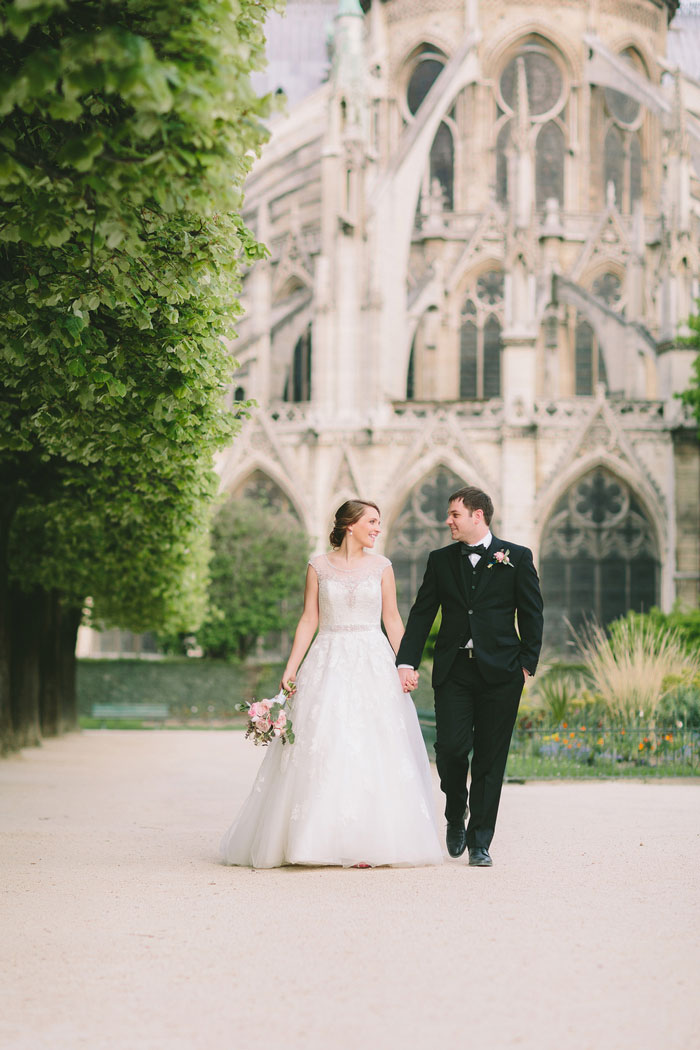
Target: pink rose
x: 499, y: 556
x: 263, y: 724
x: 280, y: 723
x: 261, y: 709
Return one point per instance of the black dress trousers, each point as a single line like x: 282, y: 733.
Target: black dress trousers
x: 472, y: 715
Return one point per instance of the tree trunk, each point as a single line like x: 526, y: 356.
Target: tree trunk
x: 70, y: 622
x: 49, y: 691
x: 7, y: 737
x: 26, y: 636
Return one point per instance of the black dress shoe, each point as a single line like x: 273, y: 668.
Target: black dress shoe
x: 456, y: 838
x: 479, y: 857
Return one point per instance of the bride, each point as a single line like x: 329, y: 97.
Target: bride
x: 354, y: 789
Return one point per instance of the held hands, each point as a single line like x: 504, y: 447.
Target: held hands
x: 408, y: 678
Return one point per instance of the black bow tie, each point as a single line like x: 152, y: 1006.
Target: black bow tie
x: 477, y: 549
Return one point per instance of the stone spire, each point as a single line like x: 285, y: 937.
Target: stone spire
x: 348, y: 71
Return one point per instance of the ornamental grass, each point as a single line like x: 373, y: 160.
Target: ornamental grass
x: 634, y: 665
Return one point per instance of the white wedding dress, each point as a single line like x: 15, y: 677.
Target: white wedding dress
x: 355, y: 786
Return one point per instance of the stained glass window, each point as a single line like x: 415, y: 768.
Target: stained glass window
x: 424, y: 76
x: 502, y: 143
x: 467, y: 361
x: 546, y: 97
x: 492, y: 357
x: 614, y: 166
x: 635, y: 170
x: 608, y: 288
x: 480, y: 339
x: 623, y: 108
x: 599, y: 556
x: 549, y: 164
x: 298, y: 385
x: 623, y: 158
x: 411, y: 375
x: 542, y: 76
x: 442, y: 165
x: 419, y: 529
x: 489, y: 288
x: 584, y: 358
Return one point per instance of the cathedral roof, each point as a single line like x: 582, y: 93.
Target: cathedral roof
x: 672, y: 5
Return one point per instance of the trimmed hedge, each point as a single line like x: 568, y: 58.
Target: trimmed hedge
x: 192, y: 688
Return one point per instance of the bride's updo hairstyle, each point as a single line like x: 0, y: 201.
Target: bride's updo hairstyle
x: 345, y: 516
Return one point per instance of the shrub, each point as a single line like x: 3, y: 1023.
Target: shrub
x: 635, y: 666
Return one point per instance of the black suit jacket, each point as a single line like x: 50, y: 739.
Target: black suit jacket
x: 502, y: 593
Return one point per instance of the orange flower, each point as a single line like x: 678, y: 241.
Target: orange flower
x: 583, y: 729
x: 565, y: 725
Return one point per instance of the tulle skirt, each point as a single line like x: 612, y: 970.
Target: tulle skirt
x: 355, y: 786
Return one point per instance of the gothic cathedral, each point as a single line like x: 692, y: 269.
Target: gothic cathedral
x: 484, y: 230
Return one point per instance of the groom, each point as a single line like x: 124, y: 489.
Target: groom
x: 481, y: 662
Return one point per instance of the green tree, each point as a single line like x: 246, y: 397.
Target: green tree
x: 691, y: 396
x: 257, y: 577
x: 126, y: 133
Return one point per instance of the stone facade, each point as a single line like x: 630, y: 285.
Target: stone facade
x: 484, y: 243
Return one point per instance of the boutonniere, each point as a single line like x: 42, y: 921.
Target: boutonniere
x: 500, y: 558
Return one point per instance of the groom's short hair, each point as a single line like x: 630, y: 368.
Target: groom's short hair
x: 474, y: 499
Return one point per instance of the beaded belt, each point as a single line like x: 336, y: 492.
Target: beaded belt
x: 351, y: 627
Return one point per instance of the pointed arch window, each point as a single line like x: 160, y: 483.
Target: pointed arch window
x: 260, y: 488
x: 492, y: 357
x: 541, y: 69
x: 437, y: 193
x: 589, y: 363
x: 442, y: 165
x: 298, y: 385
x: 411, y: 374
x: 480, y: 342
x: 468, y: 354
x: 429, y: 65
x: 598, y: 558
x: 623, y: 157
x: 419, y: 529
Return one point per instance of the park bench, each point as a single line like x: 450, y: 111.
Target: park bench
x: 143, y: 712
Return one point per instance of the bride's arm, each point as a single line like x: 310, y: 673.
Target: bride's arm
x: 306, y: 628
x: 390, y: 610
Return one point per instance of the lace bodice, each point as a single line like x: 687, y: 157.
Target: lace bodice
x: 349, y: 599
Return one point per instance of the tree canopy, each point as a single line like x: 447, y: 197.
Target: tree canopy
x: 126, y: 133
x: 691, y: 396
x: 257, y: 577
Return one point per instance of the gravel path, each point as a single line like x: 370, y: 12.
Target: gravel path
x: 121, y: 931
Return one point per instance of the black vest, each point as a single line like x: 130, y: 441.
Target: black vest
x: 470, y: 578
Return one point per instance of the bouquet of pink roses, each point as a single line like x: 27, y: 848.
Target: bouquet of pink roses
x: 267, y: 719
